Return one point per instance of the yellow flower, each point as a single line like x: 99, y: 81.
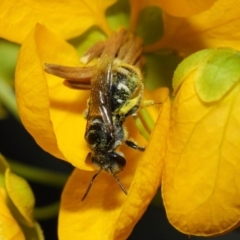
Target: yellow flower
x: 52, y: 114
x: 16, y: 207
x: 216, y: 27
x: 10, y: 228
x: 66, y: 18
x: 201, y: 181
x: 71, y: 18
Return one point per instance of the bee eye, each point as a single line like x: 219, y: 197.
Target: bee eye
x: 118, y: 162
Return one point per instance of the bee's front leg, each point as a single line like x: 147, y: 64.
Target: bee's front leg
x: 134, y: 145
x: 88, y: 159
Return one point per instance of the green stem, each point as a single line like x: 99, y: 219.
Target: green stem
x: 147, y: 119
x: 43, y: 176
x: 46, y: 212
x: 141, y: 128
x: 7, y: 97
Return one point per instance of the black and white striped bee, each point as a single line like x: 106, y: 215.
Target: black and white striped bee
x: 116, y: 85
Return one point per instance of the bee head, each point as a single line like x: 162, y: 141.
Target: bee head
x: 111, y: 162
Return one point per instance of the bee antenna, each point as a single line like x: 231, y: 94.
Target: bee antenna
x: 120, y: 184
x: 90, y: 184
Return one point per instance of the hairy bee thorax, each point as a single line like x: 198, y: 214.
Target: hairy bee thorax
x: 116, y: 85
x: 125, y: 83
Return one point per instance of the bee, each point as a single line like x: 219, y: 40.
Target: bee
x: 116, y: 85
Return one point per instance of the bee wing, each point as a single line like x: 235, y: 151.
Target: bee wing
x: 100, y: 98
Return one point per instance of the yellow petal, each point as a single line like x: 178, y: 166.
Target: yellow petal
x: 185, y: 8
x: 216, y: 27
x: 66, y: 18
x: 201, y: 178
x: 51, y: 112
x: 107, y: 213
x: 10, y: 229
x: 21, y: 195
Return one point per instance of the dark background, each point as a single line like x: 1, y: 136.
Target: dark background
x: 16, y: 143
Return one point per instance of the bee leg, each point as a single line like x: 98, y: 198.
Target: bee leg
x: 86, y: 111
x: 131, y: 106
x: 88, y: 159
x: 148, y: 103
x: 134, y: 145
x: 77, y: 84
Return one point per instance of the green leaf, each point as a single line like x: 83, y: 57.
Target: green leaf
x: 150, y: 25
x: 118, y: 15
x: 218, y: 74
x: 87, y: 39
x: 187, y: 66
x: 33, y: 233
x: 8, y: 59
x: 3, y: 166
x: 158, y: 71
x: 8, y: 98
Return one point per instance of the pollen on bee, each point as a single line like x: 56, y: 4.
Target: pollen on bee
x: 123, y: 86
